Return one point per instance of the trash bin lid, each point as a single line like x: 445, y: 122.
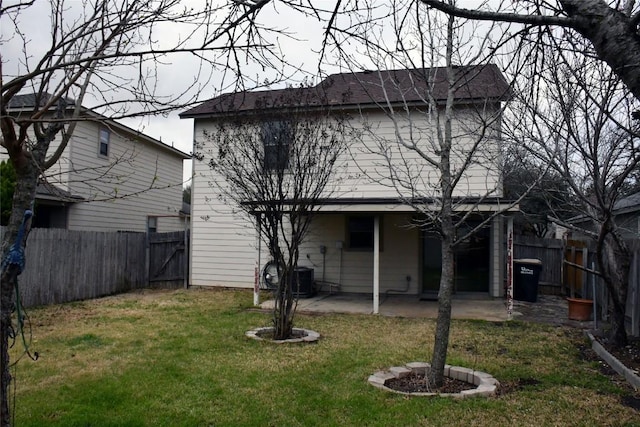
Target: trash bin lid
x: 528, y: 261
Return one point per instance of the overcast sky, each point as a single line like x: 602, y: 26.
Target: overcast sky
x: 177, y: 70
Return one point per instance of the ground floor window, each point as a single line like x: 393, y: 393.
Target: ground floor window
x: 360, y: 229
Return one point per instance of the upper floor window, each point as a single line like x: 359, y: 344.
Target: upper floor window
x: 276, y: 139
x: 105, y: 137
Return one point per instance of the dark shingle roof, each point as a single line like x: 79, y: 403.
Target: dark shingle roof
x: 629, y: 203
x: 365, y: 88
x: 29, y: 100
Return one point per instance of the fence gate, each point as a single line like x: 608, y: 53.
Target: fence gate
x: 168, y: 259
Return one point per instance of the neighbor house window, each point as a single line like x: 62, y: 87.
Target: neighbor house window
x: 360, y: 232
x: 105, y: 137
x: 152, y: 224
x: 276, y: 139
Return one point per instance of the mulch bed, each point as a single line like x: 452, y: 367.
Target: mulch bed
x: 628, y: 355
x: 417, y: 383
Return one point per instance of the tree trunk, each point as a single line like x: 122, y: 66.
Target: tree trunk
x: 23, y: 197
x: 282, y: 313
x: 614, y: 260
x: 441, y: 343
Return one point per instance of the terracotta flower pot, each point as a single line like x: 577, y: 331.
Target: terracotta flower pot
x: 580, y: 309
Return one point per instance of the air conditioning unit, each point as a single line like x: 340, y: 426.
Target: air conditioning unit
x: 303, y: 282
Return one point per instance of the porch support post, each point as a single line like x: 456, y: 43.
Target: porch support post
x: 256, y: 278
x: 376, y: 264
x: 509, y: 267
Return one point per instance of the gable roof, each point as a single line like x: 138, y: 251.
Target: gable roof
x: 366, y: 88
x: 27, y: 102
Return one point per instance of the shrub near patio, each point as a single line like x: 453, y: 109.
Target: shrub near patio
x: 180, y: 358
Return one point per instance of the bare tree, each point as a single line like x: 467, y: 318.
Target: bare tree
x: 108, y: 53
x: 595, y: 139
x: 443, y: 158
x: 547, y: 193
x: 276, y: 164
x: 580, y: 119
x: 610, y: 26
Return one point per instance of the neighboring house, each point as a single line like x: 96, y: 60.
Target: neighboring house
x: 109, y: 178
x: 626, y: 212
x: 339, y: 246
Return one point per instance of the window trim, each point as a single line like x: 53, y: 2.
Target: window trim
x: 276, y: 152
x: 104, y: 131
x: 152, y: 224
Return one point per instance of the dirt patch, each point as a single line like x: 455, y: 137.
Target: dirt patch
x: 297, y: 335
x: 269, y: 334
x: 417, y: 383
x: 628, y: 355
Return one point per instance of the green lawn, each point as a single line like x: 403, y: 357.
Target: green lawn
x: 180, y: 358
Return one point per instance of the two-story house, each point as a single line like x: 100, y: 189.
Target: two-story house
x: 367, y: 206
x: 109, y: 178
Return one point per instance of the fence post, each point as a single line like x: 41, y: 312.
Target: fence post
x: 585, y: 263
x: 147, y: 253
x: 509, y: 267
x: 186, y: 254
x: 634, y: 291
x: 571, y: 274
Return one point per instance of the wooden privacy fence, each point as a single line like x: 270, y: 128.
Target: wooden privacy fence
x: 168, y: 259
x: 560, y: 277
x: 550, y: 252
x: 64, y: 265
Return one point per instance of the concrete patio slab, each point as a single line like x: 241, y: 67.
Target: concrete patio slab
x: 463, y: 307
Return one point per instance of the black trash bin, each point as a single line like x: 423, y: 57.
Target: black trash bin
x: 526, y: 274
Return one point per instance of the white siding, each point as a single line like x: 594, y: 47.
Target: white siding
x: 132, y: 168
x: 135, y: 180
x: 364, y: 171
x: 223, y: 243
x: 353, y: 270
x: 58, y: 173
x: 223, y: 251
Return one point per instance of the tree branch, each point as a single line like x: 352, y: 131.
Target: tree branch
x: 480, y: 15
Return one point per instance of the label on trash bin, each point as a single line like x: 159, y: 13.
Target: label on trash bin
x: 525, y: 270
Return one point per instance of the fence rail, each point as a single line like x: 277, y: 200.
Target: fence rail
x: 64, y: 265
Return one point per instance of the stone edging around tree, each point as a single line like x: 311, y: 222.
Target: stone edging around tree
x: 615, y: 364
x: 304, y: 335
x: 486, y: 384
